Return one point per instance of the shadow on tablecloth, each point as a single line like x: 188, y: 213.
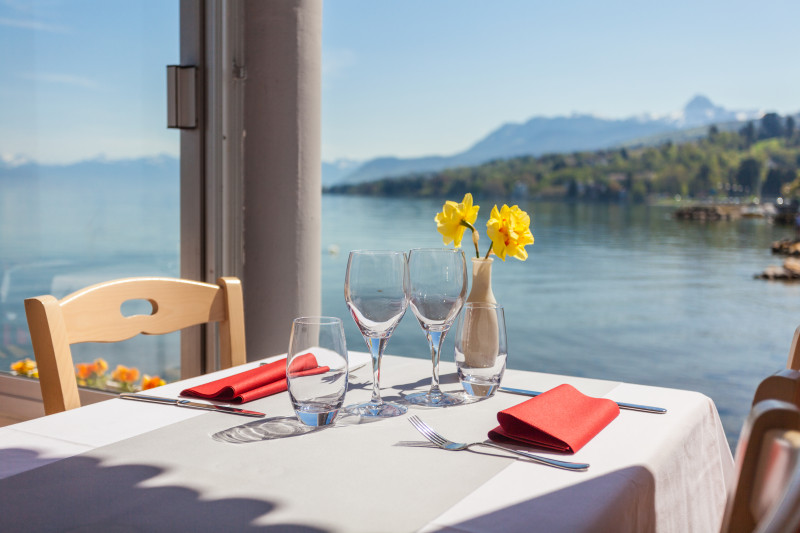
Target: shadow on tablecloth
x: 79, y: 494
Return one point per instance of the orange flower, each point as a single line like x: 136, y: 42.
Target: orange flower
x: 85, y: 370
x: 124, y: 374
x: 149, y: 382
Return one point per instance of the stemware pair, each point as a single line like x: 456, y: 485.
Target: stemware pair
x: 379, y: 286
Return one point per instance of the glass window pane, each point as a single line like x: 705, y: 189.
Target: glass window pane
x: 89, y: 173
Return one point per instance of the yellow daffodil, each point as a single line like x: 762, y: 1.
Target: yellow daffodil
x: 455, y: 218
x: 509, y: 230
x: 151, y: 382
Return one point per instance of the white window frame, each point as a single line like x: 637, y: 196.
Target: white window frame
x: 212, y: 181
x: 213, y: 37
x: 211, y: 187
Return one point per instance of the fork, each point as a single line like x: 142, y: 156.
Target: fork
x: 446, y: 444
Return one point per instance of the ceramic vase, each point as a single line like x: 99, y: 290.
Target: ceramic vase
x: 480, y: 346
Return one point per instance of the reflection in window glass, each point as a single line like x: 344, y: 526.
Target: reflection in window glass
x: 89, y: 173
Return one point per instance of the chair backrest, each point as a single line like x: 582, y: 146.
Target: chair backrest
x: 767, y: 481
x: 783, y: 385
x: 794, y: 352
x: 94, y: 314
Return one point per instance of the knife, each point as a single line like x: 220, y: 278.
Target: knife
x: 622, y: 405
x: 191, y: 405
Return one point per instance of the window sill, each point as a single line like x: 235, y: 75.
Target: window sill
x: 21, y: 399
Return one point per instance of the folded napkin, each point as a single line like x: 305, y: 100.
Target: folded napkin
x: 560, y: 419
x: 259, y: 382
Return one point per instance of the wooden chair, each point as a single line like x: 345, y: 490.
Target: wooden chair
x: 785, y: 384
x: 94, y: 314
x: 794, y: 352
x: 766, y: 495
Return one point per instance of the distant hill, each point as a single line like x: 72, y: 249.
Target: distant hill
x: 148, y: 183
x: 761, y: 161
x: 148, y: 169
x: 336, y: 171
x: 541, y: 135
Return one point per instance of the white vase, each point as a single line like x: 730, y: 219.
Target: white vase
x: 480, y: 348
x: 481, y: 290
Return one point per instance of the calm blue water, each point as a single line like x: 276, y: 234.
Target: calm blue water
x: 608, y: 291
x: 59, y: 234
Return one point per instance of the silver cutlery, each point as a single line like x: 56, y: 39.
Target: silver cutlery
x: 622, y: 405
x: 191, y: 405
x: 446, y: 444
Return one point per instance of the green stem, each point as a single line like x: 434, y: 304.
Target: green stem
x: 472, y: 228
x: 489, y: 251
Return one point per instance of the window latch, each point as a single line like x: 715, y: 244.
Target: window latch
x: 181, y: 97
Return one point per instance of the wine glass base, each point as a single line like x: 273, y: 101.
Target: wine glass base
x: 378, y: 410
x: 441, y: 399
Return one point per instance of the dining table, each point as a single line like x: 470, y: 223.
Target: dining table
x: 124, y: 466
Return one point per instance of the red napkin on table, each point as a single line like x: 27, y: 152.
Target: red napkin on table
x: 560, y: 419
x: 259, y: 382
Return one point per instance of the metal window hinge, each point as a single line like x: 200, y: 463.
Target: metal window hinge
x: 181, y: 97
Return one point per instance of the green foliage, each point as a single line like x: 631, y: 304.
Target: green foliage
x: 725, y: 163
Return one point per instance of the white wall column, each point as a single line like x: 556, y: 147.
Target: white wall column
x: 283, y: 198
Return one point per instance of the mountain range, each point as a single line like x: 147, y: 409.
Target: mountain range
x: 155, y: 169
x: 537, y: 136
x: 541, y: 135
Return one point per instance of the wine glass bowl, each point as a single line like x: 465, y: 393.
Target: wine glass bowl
x: 437, y: 288
x: 375, y: 293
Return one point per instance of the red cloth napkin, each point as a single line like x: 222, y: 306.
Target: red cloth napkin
x: 560, y: 419
x: 259, y: 382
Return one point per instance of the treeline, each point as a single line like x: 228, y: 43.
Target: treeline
x: 759, y: 160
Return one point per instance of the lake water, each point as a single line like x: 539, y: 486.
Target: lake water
x: 609, y: 291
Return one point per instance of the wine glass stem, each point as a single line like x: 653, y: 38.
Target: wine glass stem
x: 435, y: 338
x: 376, y: 346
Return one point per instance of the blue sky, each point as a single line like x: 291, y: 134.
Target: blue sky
x: 85, y: 78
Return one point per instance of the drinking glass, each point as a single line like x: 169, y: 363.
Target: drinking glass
x: 374, y: 289
x: 436, y: 290
x: 481, y: 348
x: 317, y: 388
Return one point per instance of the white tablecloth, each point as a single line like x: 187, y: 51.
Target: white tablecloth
x: 649, y: 472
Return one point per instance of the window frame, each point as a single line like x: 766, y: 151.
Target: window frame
x: 283, y: 178
x: 211, y: 186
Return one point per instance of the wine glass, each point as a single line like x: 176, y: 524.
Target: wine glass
x: 436, y: 290
x: 375, y: 292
